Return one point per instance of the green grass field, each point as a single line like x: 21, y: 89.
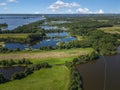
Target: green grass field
x: 112, y: 30
x: 20, y: 36
x: 53, y: 61
x: 52, y: 57
x: 55, y: 78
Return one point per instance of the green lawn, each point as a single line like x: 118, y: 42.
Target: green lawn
x: 55, y: 78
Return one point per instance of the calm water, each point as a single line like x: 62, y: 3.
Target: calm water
x: 96, y: 76
x: 49, y: 27
x: 48, y: 42
x: 15, y: 21
x: 57, y: 34
x: 8, y: 72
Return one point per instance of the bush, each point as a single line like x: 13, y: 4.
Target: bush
x: 75, y: 77
x: 45, y: 65
x: 12, y: 62
x: 28, y: 71
x: 18, y: 75
x: 24, y: 61
x: 2, y: 79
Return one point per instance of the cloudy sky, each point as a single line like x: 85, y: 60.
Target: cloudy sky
x: 59, y: 6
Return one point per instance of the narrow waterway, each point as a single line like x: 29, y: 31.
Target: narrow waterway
x: 103, y: 74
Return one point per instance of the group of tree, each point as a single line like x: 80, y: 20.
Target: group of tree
x: 86, y: 58
x: 2, y: 79
x: 46, y: 48
x: 35, y: 37
x: 6, y: 50
x: 3, y: 25
x: 29, y: 70
x: 8, y: 63
x: 76, y: 82
x: 103, y: 43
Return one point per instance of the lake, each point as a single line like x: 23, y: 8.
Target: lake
x: 100, y: 74
x: 14, y: 21
x: 47, y: 42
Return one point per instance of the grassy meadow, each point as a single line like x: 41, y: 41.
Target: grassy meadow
x: 112, y: 30
x: 55, y: 78
x: 53, y: 56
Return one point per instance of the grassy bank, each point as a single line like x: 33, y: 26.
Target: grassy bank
x: 18, y: 36
x: 46, y: 55
x: 56, y: 78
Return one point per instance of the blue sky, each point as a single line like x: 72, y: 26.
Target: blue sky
x: 59, y: 6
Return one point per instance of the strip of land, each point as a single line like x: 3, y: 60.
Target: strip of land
x: 46, y: 54
x: 20, y: 36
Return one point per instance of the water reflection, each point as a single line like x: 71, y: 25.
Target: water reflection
x: 94, y: 74
x: 57, y: 34
x: 49, y: 27
x: 9, y: 71
x: 14, y: 21
x: 47, y: 42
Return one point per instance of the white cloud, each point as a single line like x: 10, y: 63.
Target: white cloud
x: 5, y: 8
x: 83, y: 10
x: 37, y: 12
x: 6, y: 2
x: 100, y: 11
x: 60, y: 4
x: 12, y: 1
x: 3, y: 4
x: 69, y: 11
x: 87, y: 11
